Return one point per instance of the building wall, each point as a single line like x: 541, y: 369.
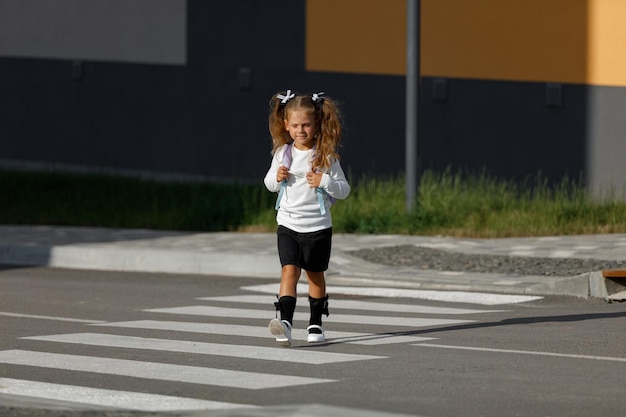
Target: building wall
x: 514, y: 77
x: 516, y: 87
x: 206, y: 116
x: 182, y: 86
x: 578, y: 44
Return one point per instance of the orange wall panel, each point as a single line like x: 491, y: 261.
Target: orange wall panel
x: 360, y: 36
x: 607, y: 42
x: 568, y: 41
x: 529, y: 40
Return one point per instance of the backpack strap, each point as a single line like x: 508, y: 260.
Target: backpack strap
x: 321, y: 194
x: 287, y: 160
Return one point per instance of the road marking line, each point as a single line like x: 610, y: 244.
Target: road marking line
x: 31, y: 316
x: 109, y: 398
x: 153, y: 370
x: 524, y: 352
x: 353, y: 305
x: 334, y: 318
x: 433, y: 295
x: 261, y: 331
x: 235, y: 351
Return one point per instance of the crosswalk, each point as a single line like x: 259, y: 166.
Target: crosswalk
x: 184, y: 330
x: 98, y: 397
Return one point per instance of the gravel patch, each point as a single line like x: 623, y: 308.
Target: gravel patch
x: 441, y: 260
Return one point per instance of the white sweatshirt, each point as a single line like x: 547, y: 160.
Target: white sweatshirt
x: 299, y: 207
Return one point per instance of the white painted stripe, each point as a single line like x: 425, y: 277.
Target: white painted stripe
x: 561, y: 254
x: 212, y: 311
x: 447, y: 296
x: 31, y: 316
x: 235, y: 351
x: 524, y: 247
x: 586, y: 247
x: 524, y: 352
x: 109, y: 398
x: 521, y: 253
x: 153, y: 370
x: 261, y: 331
x: 334, y: 318
x: 352, y: 305
x: 507, y: 282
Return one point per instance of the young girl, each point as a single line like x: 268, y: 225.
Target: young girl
x: 305, y: 171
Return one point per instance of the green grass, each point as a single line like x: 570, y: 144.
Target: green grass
x: 447, y: 204
x: 479, y: 206
x: 109, y: 201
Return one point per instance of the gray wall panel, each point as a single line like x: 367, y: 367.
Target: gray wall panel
x: 144, y: 31
x: 606, y: 161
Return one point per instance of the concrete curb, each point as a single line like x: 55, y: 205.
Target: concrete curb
x: 128, y: 259
x: 344, y: 269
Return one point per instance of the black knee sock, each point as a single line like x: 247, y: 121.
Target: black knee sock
x: 319, y: 306
x: 286, y: 305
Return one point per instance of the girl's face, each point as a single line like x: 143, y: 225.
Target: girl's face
x: 301, y: 127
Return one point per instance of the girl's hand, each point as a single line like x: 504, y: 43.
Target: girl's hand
x: 282, y: 173
x: 314, y: 179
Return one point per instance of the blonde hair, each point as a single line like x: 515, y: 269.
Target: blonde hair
x: 325, y: 112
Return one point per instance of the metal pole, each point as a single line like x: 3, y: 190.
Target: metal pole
x: 412, y: 98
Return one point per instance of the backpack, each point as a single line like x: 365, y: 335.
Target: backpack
x: 321, y: 194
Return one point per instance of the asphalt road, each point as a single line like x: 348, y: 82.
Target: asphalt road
x: 199, y: 342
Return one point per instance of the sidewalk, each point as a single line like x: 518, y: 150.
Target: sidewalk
x: 255, y: 255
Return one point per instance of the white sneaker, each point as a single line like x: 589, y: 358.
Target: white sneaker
x: 282, y: 330
x: 315, y: 337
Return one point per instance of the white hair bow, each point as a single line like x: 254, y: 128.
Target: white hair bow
x: 317, y: 97
x: 285, y: 98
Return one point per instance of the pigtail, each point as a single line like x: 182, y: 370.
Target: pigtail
x: 329, y: 135
x: 279, y: 135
